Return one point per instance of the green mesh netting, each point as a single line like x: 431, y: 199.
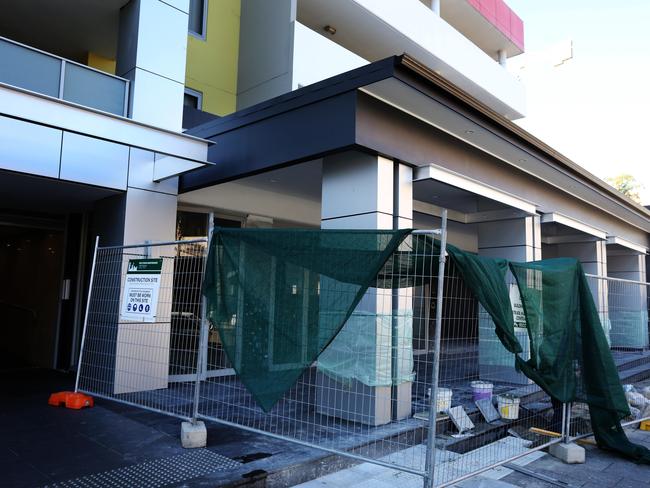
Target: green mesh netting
x: 260, y: 283
x: 570, y: 357
x: 279, y: 297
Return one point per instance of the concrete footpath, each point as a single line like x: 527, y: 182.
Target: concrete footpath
x: 601, y: 470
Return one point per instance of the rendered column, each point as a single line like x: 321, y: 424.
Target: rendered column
x: 358, y: 193
x: 517, y: 240
x: 151, y: 53
x: 592, y: 254
x: 146, y: 212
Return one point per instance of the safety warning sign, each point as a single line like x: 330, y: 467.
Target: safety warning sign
x: 140, y: 298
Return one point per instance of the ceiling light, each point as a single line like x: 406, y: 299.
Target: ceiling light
x: 522, y: 160
x: 469, y: 132
x: 329, y: 29
x: 273, y: 180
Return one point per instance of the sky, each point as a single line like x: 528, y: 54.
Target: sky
x: 595, y: 107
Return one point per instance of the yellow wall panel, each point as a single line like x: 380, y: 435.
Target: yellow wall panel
x: 212, y: 63
x: 101, y: 63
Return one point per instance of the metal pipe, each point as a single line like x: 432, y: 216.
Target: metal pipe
x: 133, y: 404
x: 83, y: 335
x: 200, y: 359
x: 566, y: 428
x: 153, y: 244
x: 622, y: 280
x: 431, y: 437
x: 623, y: 424
x: 313, y: 446
x: 499, y: 463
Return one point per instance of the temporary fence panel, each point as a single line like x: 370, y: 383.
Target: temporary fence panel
x: 358, y: 398
x: 141, y: 336
x: 416, y: 380
x: 478, y: 374
x: 623, y: 308
x: 369, y: 395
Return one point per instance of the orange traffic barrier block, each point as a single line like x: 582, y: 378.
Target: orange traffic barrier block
x: 645, y: 425
x: 70, y: 399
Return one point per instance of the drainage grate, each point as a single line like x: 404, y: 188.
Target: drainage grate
x: 153, y: 474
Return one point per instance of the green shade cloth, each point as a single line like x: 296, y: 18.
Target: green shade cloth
x: 279, y: 297
x: 570, y: 357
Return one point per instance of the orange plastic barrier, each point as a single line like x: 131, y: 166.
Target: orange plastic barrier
x: 70, y: 399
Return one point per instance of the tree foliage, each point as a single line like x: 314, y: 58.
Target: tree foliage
x: 627, y: 185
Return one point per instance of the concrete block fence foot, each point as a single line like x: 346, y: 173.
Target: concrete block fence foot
x: 193, y: 435
x: 569, y: 453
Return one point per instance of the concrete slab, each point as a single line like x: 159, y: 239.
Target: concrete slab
x: 569, y: 453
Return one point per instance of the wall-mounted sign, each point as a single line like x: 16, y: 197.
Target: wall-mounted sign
x: 140, y: 297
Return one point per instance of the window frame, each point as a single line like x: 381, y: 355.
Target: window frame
x: 197, y: 94
x: 204, y: 22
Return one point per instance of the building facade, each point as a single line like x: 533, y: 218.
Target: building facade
x: 152, y: 120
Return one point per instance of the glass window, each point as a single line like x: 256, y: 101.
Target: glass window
x: 228, y: 223
x: 196, y: 24
x: 193, y: 98
x: 191, y: 225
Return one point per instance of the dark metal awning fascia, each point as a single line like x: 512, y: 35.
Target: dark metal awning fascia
x: 321, y: 119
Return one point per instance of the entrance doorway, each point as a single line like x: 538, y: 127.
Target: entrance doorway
x: 31, y: 260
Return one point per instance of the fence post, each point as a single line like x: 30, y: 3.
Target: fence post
x: 430, y: 459
x: 566, y: 423
x: 83, y: 334
x: 200, y: 361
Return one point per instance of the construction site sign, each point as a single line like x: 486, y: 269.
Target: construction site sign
x: 140, y: 297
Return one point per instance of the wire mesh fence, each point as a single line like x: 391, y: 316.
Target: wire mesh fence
x: 488, y: 413
x: 416, y: 380
x: 623, y: 309
x: 143, y: 322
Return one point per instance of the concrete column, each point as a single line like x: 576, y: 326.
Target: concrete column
x: 362, y: 191
x: 266, y: 50
x: 592, y: 254
x: 503, y: 57
x: 145, y: 212
x: 151, y: 53
x: 516, y: 240
x: 435, y: 6
x: 628, y: 304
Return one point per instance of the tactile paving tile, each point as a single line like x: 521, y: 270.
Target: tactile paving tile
x: 156, y: 473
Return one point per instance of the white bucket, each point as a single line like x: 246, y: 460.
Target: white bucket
x: 443, y: 399
x: 481, y: 390
x: 508, y: 406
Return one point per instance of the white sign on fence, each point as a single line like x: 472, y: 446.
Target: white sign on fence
x: 140, y: 297
x: 517, y: 306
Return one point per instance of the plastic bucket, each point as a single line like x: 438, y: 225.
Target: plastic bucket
x: 481, y: 390
x: 443, y: 399
x: 508, y: 406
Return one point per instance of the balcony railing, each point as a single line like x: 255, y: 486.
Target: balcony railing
x: 32, y: 69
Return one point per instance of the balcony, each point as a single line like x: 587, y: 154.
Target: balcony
x: 41, y: 72
x: 376, y: 29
